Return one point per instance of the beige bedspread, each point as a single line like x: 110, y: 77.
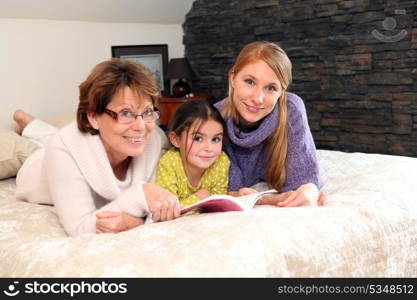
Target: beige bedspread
x: 367, y: 228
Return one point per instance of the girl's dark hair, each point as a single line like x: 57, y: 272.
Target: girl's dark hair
x: 192, y: 110
x: 195, y: 110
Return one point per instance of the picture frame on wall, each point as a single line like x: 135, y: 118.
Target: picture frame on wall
x: 154, y: 57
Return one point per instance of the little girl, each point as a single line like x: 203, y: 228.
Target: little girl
x: 195, y: 168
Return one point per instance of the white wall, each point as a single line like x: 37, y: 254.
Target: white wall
x: 42, y: 62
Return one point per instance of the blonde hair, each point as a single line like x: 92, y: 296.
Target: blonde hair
x: 277, y: 143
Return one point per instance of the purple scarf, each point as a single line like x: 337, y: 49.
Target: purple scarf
x: 246, y: 150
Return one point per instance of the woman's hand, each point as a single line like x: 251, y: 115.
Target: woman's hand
x: 322, y: 198
x: 242, y: 192
x: 246, y: 191
x: 305, y: 195
x: 114, y: 222
x: 162, y: 204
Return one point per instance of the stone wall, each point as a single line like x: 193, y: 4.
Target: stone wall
x: 354, y: 63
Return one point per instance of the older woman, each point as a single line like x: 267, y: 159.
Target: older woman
x: 96, y: 171
x: 269, y: 136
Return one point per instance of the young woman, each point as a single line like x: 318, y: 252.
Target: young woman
x: 195, y: 168
x: 269, y: 136
x: 96, y: 171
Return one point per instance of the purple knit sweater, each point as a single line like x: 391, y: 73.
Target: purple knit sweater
x: 246, y: 150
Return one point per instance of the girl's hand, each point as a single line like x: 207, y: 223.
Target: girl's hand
x: 305, y: 195
x: 162, y: 204
x: 115, y: 222
x: 203, y: 194
x: 246, y: 191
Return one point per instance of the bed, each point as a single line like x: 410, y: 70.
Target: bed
x: 367, y: 228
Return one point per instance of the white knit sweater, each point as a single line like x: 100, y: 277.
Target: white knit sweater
x: 74, y: 174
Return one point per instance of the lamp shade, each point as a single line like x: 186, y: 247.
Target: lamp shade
x: 179, y: 68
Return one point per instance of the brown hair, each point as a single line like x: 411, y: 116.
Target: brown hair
x: 105, y: 80
x: 277, y: 143
x: 195, y: 111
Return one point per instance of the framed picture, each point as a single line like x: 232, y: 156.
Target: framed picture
x: 154, y: 57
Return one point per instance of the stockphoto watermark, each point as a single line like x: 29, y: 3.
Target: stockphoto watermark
x: 390, y: 34
x: 15, y: 288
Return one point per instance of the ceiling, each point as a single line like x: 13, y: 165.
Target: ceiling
x: 130, y: 11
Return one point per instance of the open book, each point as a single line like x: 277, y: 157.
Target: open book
x: 219, y: 203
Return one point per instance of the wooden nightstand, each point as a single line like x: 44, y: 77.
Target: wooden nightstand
x: 169, y: 104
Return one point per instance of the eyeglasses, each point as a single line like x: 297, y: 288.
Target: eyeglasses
x: 127, y: 116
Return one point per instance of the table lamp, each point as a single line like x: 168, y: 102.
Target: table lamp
x: 180, y: 68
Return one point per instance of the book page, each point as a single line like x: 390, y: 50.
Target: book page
x: 217, y: 203
x: 249, y: 201
x: 228, y: 197
x: 214, y: 203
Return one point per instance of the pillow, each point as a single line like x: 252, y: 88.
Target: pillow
x: 13, y: 152
x: 62, y: 119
